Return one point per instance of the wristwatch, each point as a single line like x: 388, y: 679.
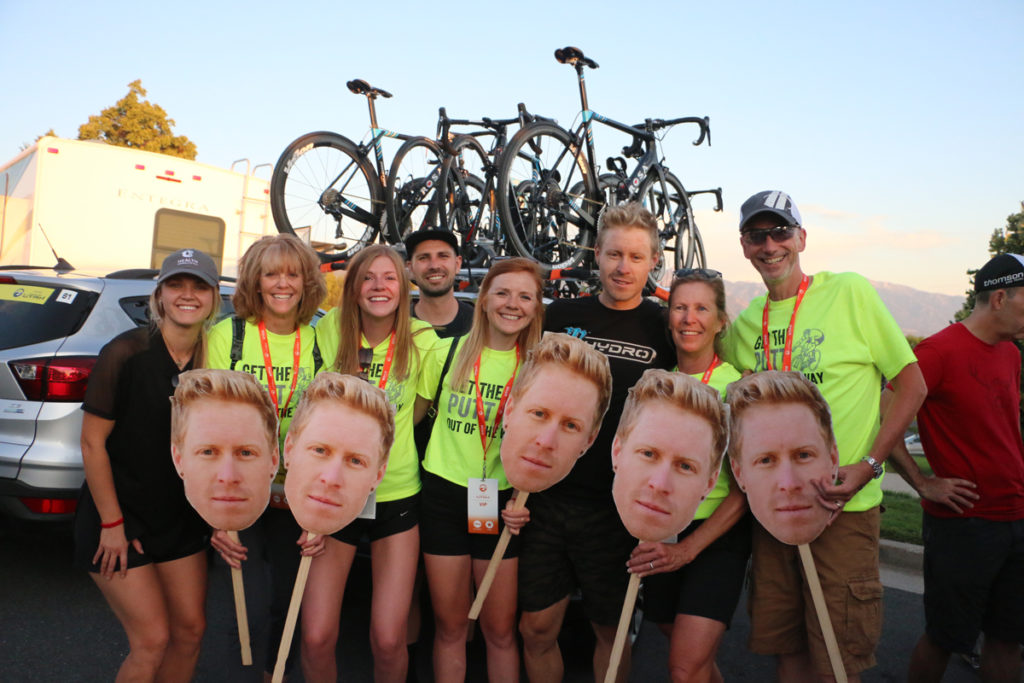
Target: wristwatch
x: 875, y: 466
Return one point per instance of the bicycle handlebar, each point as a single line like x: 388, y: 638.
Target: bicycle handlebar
x: 574, y: 56
x: 360, y: 87
x: 703, y: 122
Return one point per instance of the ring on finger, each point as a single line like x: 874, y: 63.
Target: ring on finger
x: 652, y: 564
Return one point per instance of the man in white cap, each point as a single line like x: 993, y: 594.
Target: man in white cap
x: 834, y: 329
x: 974, y: 504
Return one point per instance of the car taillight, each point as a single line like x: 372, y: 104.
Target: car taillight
x: 61, y: 380
x: 50, y: 506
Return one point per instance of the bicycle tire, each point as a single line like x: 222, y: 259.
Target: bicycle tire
x: 548, y: 199
x: 323, y: 188
x: 413, y: 196
x: 469, y: 207
x: 663, y: 195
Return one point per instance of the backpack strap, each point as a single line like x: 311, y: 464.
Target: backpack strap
x: 444, y: 371
x: 237, y: 338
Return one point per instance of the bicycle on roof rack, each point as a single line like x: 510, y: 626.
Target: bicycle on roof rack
x: 550, y: 191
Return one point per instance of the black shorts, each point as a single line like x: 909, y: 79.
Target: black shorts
x: 973, y: 580
x: 708, y: 587
x: 392, y: 517
x: 444, y: 522
x: 187, y: 534
x: 569, y: 545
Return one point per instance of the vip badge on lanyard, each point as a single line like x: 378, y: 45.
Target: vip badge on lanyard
x: 482, y: 506
x: 370, y: 509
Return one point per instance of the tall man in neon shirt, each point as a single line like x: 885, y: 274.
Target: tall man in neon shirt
x: 834, y: 329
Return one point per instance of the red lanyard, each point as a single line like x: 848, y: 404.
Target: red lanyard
x: 269, y: 366
x: 480, y: 420
x: 387, y: 362
x: 787, y: 352
x: 711, y: 368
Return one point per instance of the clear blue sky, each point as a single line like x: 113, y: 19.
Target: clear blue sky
x: 898, y: 127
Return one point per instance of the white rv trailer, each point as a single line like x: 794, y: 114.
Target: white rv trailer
x: 104, y: 208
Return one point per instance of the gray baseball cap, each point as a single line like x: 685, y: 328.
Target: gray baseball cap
x: 773, y: 202
x: 189, y: 262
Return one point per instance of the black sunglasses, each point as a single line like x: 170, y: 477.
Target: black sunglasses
x: 702, y: 273
x: 365, y: 359
x: 779, y: 233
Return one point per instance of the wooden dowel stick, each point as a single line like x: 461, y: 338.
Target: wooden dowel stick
x: 293, y: 613
x: 821, y: 609
x: 240, y: 612
x: 620, y: 634
x: 492, y: 566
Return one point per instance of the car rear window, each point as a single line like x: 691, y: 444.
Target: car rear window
x: 34, y: 313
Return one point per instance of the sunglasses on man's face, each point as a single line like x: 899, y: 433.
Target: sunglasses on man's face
x: 778, y: 234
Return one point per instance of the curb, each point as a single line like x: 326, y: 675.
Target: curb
x: 906, y: 557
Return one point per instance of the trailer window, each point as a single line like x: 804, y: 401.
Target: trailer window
x: 176, y: 230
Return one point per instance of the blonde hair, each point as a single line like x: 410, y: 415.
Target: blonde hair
x: 682, y: 392
x: 353, y: 393
x: 270, y: 252
x: 717, y: 285
x: 220, y: 385
x: 479, y: 333
x: 574, y: 355
x: 628, y: 215
x: 350, y: 321
x: 774, y: 387
x: 156, y: 318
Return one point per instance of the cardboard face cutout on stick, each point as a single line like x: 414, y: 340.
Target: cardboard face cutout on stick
x: 333, y: 461
x: 548, y: 427
x: 782, y: 452
x: 663, y: 470
x: 224, y: 446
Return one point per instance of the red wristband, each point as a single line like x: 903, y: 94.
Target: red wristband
x: 118, y: 523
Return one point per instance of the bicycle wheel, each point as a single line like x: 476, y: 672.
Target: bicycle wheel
x: 469, y: 207
x: 664, y: 196
x: 547, y: 198
x: 412, y: 195
x: 323, y: 189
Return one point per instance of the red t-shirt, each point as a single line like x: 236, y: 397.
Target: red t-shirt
x: 970, y: 421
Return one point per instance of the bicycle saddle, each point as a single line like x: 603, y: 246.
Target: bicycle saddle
x: 571, y: 55
x: 360, y: 87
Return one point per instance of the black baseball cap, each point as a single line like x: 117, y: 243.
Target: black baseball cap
x: 420, y: 236
x: 1002, y: 272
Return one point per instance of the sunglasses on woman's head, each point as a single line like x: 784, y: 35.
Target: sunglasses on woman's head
x: 703, y: 273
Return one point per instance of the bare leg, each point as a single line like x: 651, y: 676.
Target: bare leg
x: 321, y: 610
x: 138, y: 602
x: 498, y: 621
x: 928, y: 662
x: 694, y: 645
x: 541, y: 655
x: 603, y: 652
x: 448, y: 577
x: 394, y: 561
x: 1000, y: 661
x: 184, y: 589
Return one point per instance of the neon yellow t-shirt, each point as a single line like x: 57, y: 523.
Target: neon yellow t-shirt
x: 282, y: 358
x: 455, y: 452
x: 721, y: 377
x: 402, y: 477
x: 845, y: 340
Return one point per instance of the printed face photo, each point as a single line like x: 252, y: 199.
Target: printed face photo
x: 547, y: 428
x: 333, y: 464
x: 782, y: 451
x: 662, y: 471
x: 226, y: 462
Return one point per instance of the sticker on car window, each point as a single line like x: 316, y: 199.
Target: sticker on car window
x: 66, y: 296
x: 32, y: 295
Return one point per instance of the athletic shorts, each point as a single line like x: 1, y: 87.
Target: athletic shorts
x: 444, y: 522
x: 569, y: 545
x: 708, y: 587
x: 782, y: 615
x: 390, y: 518
x: 973, y: 580
x: 187, y: 535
